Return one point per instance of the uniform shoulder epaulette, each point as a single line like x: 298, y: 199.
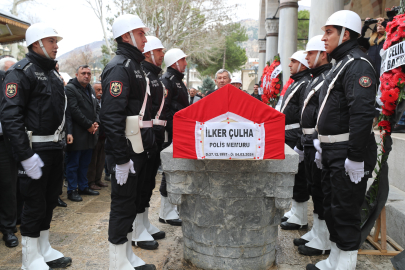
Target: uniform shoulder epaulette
x: 22, y: 64
x: 166, y: 75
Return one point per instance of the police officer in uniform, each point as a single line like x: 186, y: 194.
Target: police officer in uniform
x: 126, y: 117
x: 176, y: 100
x: 33, y: 116
x: 154, y: 55
x: 349, y: 151
x: 316, y: 241
x: 296, y: 218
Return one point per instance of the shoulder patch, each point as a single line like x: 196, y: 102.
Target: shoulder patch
x: 166, y: 92
x: 11, y: 90
x: 115, y: 88
x: 365, y: 81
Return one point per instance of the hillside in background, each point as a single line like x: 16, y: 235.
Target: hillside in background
x: 94, y: 46
x: 252, y: 30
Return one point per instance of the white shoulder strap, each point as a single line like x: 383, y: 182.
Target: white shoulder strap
x: 163, y: 102
x: 331, y: 85
x: 145, y: 100
x: 291, y: 95
x: 311, y: 93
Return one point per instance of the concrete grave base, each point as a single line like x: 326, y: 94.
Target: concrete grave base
x: 230, y: 209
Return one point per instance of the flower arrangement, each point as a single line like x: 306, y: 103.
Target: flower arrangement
x: 392, y: 87
x: 271, y: 87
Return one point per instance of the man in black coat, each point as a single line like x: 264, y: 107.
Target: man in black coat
x: 8, y: 176
x: 316, y: 241
x: 32, y: 117
x: 344, y: 130
x: 176, y: 100
x: 290, y: 106
x: 154, y: 55
x: 84, y: 110
x: 126, y: 116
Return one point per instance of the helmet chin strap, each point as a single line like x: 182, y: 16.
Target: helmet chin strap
x: 43, y: 49
x: 178, y: 66
x: 299, y: 67
x: 317, y: 59
x: 341, y: 35
x: 153, y: 58
x: 133, y: 39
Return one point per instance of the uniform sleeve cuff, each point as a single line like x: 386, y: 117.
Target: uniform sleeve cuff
x: 355, y: 157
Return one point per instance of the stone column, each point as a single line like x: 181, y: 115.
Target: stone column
x: 262, y: 38
x: 271, y: 38
x: 262, y: 57
x: 287, y: 38
x: 320, y: 12
x: 230, y: 209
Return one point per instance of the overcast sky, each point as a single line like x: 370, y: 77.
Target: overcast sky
x: 79, y: 26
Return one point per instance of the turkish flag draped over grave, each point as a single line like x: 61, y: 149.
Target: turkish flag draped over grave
x: 232, y: 101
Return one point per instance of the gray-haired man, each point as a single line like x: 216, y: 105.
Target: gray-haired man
x: 222, y: 78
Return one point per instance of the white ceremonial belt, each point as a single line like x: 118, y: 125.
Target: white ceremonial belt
x: 334, y: 138
x: 46, y: 138
x: 157, y: 122
x: 308, y: 131
x: 147, y: 124
x: 292, y: 126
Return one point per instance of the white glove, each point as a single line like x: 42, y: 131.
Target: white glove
x: 299, y: 152
x: 318, y: 160
x: 355, y: 170
x: 122, y: 171
x: 32, y: 166
x: 317, y: 145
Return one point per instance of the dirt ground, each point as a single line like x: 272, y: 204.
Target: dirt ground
x: 80, y: 231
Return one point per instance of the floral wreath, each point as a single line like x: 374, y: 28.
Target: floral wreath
x: 392, y: 87
x: 271, y: 87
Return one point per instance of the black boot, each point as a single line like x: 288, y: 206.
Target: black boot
x: 148, y: 245
x: 159, y: 235
x: 146, y: 267
x: 291, y: 226
x: 308, y: 251
x: 312, y: 267
x: 88, y: 191
x: 283, y: 219
x: 173, y: 222
x: 61, y: 203
x: 60, y: 263
x: 10, y: 239
x: 299, y: 242
x: 74, y: 196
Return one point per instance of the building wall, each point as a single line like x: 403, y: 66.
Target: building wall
x: 371, y: 8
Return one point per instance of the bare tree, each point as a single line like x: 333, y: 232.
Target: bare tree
x: 16, y: 3
x: 77, y: 58
x: 177, y: 21
x: 191, y: 25
x: 98, y: 9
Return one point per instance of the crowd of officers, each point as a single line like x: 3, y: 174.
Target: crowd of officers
x: 136, y: 113
x: 329, y: 114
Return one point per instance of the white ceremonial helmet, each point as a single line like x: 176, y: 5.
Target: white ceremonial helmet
x: 37, y: 32
x: 126, y: 23
x: 346, y: 19
x: 316, y: 44
x: 236, y: 80
x: 152, y: 44
x: 300, y: 57
x: 172, y: 56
